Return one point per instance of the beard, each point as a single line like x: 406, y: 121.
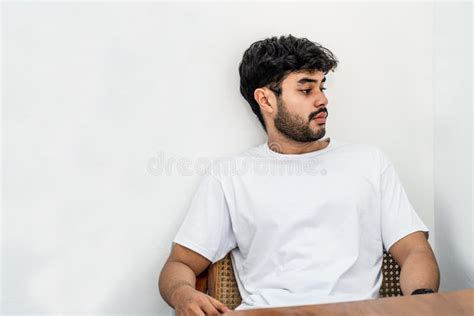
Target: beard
x: 296, y: 127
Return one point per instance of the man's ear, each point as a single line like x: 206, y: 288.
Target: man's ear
x: 266, y: 99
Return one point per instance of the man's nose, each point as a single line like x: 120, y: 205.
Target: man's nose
x: 321, y: 100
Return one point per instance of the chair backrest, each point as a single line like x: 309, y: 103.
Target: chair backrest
x: 219, y: 282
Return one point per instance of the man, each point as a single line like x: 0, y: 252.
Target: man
x: 312, y: 229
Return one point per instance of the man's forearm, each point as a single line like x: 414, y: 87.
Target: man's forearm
x: 420, y: 270
x: 173, y: 277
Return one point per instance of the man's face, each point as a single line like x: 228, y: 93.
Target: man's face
x: 302, y: 99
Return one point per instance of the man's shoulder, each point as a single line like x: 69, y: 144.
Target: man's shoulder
x: 359, y: 148
x: 373, y: 157
x: 233, y: 163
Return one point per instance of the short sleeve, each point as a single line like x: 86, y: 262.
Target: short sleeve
x: 207, y: 227
x: 398, y: 218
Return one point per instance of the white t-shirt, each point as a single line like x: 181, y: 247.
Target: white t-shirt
x: 303, y: 228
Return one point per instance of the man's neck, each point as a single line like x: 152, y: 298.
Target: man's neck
x: 286, y: 146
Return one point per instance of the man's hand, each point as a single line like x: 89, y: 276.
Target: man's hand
x: 190, y: 302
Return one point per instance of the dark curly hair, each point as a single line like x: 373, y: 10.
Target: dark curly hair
x: 268, y: 62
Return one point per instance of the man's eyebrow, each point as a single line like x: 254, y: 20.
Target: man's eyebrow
x: 309, y: 80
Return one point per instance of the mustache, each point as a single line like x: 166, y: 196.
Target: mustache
x: 323, y: 110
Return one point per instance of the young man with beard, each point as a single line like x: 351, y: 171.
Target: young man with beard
x: 296, y: 238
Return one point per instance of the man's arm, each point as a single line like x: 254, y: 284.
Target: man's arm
x: 177, y: 284
x: 416, y: 259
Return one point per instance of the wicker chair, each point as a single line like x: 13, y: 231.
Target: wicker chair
x: 219, y: 282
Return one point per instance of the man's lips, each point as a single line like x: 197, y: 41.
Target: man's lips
x: 320, y: 118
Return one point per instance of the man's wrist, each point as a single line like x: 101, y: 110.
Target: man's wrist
x: 422, y: 291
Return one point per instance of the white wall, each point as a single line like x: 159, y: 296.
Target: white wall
x: 97, y: 96
x: 453, y: 144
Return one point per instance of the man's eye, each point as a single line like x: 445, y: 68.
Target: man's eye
x: 308, y: 91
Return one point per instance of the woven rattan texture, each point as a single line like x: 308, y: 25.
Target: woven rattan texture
x: 391, y: 277
x: 227, y: 291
